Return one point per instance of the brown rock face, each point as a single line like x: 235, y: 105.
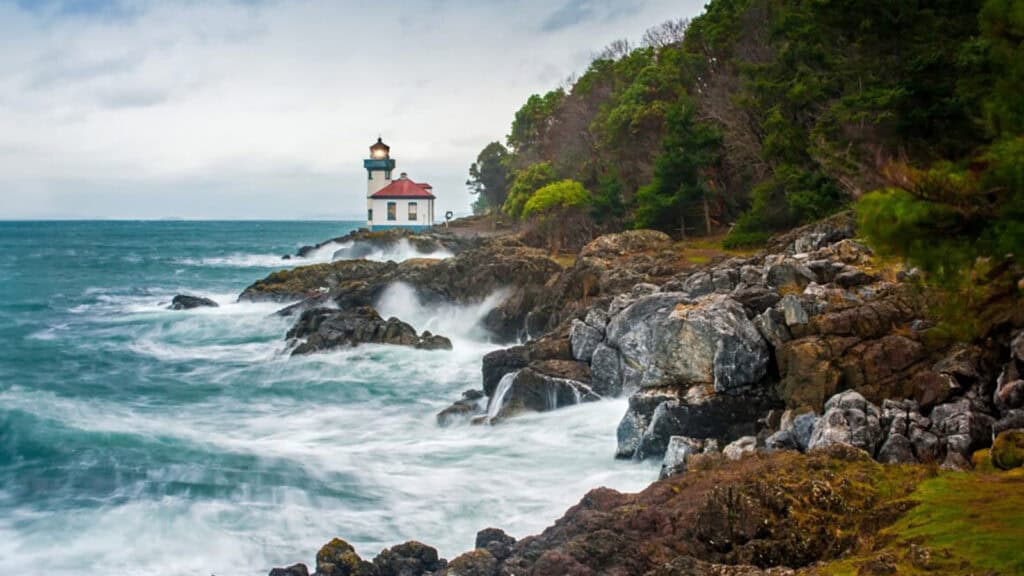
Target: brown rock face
x: 737, y: 518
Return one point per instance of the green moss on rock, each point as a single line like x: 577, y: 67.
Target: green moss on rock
x: 1008, y: 450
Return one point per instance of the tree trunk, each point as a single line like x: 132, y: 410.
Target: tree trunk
x: 682, y: 226
x: 707, y: 216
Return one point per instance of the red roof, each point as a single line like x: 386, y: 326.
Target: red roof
x: 404, y: 188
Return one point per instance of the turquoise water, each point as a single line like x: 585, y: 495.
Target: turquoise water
x: 139, y: 440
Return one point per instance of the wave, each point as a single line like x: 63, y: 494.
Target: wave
x: 462, y: 322
x: 397, y: 252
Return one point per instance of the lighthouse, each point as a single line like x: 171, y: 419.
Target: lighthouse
x: 395, y: 203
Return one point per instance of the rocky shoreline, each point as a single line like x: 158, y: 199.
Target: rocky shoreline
x: 733, y: 369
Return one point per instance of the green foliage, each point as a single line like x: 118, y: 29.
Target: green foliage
x: 532, y: 121
x: 560, y: 195
x: 524, y: 184
x: 690, y: 149
x: 1002, y: 25
x: 607, y: 204
x: 488, y: 177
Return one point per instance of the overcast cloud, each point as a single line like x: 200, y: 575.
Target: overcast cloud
x: 265, y: 109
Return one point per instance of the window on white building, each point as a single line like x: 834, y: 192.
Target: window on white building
x: 392, y: 211
x: 412, y: 211
x: 369, y: 215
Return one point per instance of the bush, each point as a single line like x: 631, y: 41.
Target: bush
x: 558, y: 196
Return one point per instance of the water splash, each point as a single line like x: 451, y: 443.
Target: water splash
x: 459, y: 322
x: 498, y: 398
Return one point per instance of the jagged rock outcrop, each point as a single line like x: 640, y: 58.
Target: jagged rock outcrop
x: 654, y: 417
x: 327, y: 328
x: 851, y: 420
x: 468, y: 277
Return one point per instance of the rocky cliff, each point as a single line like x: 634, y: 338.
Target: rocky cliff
x: 811, y: 346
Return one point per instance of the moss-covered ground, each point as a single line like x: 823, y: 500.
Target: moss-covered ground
x: 959, y: 523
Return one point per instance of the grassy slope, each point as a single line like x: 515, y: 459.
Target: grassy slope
x: 972, y: 522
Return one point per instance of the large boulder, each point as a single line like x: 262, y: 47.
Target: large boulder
x: 498, y: 363
x: 496, y: 542
x: 1008, y: 450
x: 339, y: 558
x: 654, y: 417
x: 409, y: 559
x: 908, y: 435
x: 678, y: 453
x: 848, y: 419
x: 187, y: 302
x: 541, y: 387
x: 327, y: 328
x: 671, y: 340
x: 963, y: 427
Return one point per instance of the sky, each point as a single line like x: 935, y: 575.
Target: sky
x: 249, y: 109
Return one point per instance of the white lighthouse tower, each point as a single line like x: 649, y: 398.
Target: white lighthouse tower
x: 378, y: 173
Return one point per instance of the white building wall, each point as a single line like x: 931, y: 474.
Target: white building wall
x: 424, y: 208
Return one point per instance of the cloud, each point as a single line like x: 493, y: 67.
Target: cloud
x: 577, y: 12
x: 108, y: 107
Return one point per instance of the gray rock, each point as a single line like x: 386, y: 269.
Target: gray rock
x: 771, y: 324
x: 739, y: 447
x: 327, y: 328
x: 808, y: 242
x: 782, y: 272
x: 908, y: 438
x: 803, y: 427
x: 755, y: 299
x: 1017, y: 347
x: 1009, y: 393
x: 962, y: 427
x: 618, y: 304
x: 1011, y: 420
x: 781, y: 440
x: 698, y: 284
x: 635, y: 422
x: 848, y: 419
x: 653, y: 419
x: 597, y: 318
x: 643, y: 289
x: 584, y: 339
x: 606, y: 371
x: 672, y: 340
x: 793, y: 310
x: 751, y: 275
x: 679, y: 450
x: 724, y: 280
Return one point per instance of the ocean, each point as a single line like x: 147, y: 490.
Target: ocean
x: 140, y: 440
